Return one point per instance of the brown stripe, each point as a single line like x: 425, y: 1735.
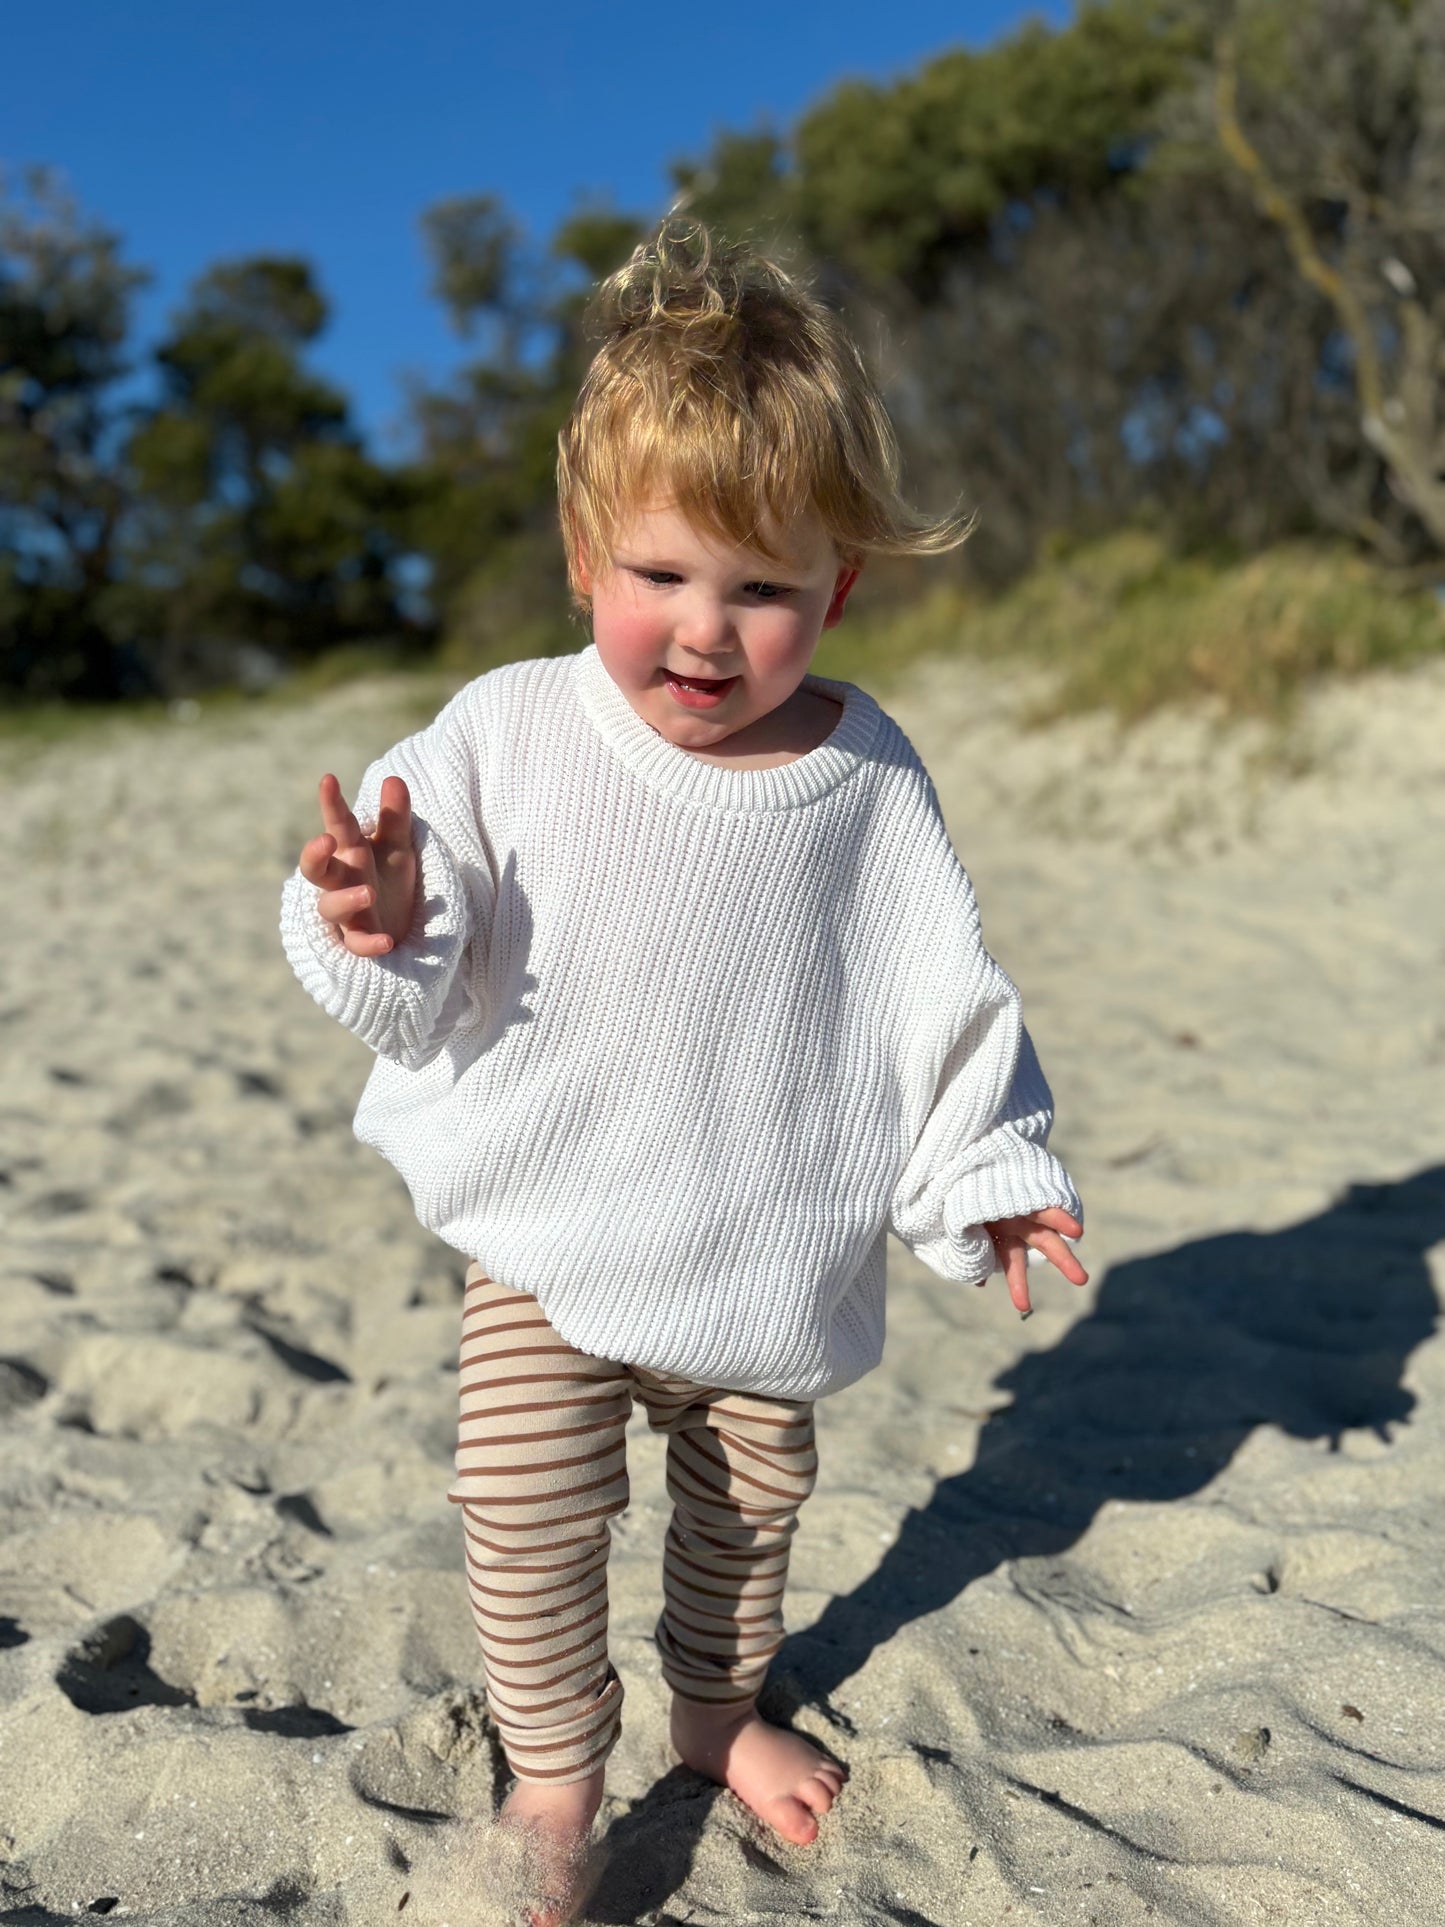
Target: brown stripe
x: 765, y: 1454
x: 756, y: 1662
x: 571, y: 1575
x: 494, y: 1352
x: 490, y: 1616
x: 684, y: 1613
x: 717, y: 1498
x: 526, y: 1378
x: 542, y: 1469
x: 534, y: 1438
x: 575, y: 1773
x: 771, y: 1573
x: 557, y: 1545
x: 742, y: 1698
x: 594, y: 1544
x: 736, y: 1555
x: 715, y: 1592
x: 762, y: 1418
x: 737, y: 1476
x: 547, y: 1503
x: 549, y: 1659
x: 540, y: 1525
x: 543, y: 1686
x: 545, y: 1405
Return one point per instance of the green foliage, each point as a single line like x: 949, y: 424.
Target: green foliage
x: 892, y: 181
x: 1128, y: 625
x: 258, y: 515
x: 65, y: 298
x: 142, y: 545
x: 745, y: 187
x: 486, y: 474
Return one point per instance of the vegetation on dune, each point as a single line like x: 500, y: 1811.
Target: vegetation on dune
x: 1161, y: 294
x: 1124, y: 624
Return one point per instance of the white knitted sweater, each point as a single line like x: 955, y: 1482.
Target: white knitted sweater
x: 673, y: 1046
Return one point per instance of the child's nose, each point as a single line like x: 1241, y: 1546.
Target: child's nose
x: 705, y: 625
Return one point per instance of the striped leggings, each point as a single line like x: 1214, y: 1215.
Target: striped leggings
x: 542, y: 1468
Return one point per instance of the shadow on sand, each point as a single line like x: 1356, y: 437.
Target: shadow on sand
x: 1148, y: 1397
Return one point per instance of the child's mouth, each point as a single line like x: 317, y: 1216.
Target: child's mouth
x: 698, y: 692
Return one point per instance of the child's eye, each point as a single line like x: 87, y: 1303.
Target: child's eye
x: 769, y: 591
x: 657, y: 578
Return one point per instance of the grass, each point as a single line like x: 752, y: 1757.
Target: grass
x: 1124, y: 625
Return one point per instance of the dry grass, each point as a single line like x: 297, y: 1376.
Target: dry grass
x: 1123, y: 624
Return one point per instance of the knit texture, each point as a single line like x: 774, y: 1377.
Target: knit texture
x: 673, y: 1046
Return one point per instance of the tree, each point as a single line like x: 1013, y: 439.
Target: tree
x: 896, y: 182
x: 488, y: 440
x: 1333, y: 113
x: 1078, y: 311
x: 65, y: 298
x: 259, y: 519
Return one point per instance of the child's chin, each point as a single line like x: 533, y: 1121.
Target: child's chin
x: 689, y: 728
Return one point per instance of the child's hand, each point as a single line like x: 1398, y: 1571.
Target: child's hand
x: 367, y: 883
x: 1013, y: 1238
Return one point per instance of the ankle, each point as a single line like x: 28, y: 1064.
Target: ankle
x: 572, y: 1805
x: 715, y: 1715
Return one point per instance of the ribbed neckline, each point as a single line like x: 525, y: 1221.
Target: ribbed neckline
x: 677, y: 772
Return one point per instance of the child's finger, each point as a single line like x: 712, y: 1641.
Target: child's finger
x: 1016, y: 1273
x: 335, y: 814
x: 1057, y: 1219
x: 393, y: 816
x: 318, y: 863
x: 342, y: 906
x: 366, y: 943
x: 1051, y: 1246
x: 1000, y: 1255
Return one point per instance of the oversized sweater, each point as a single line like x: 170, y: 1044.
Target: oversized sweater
x: 674, y: 1046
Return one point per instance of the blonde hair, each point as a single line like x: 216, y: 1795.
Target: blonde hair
x: 722, y: 386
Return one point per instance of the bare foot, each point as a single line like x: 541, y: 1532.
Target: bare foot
x: 784, y: 1779
x: 556, y: 1821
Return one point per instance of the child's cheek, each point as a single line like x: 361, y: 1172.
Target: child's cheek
x: 643, y: 639
x: 631, y: 639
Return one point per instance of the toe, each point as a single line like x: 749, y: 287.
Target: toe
x: 817, y: 1794
x: 794, y: 1821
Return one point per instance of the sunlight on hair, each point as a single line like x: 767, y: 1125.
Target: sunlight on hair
x: 724, y: 386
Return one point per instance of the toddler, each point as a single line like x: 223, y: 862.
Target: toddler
x: 679, y: 1006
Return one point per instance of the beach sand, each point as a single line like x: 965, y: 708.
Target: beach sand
x: 1127, y: 1613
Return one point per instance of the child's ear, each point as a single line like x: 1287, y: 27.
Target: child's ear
x: 842, y: 588
x: 582, y: 568
x: 579, y: 562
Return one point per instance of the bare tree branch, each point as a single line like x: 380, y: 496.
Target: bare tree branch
x: 1399, y: 407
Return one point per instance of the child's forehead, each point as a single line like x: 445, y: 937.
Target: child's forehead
x: 801, y: 540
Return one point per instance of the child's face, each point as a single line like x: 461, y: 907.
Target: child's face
x: 675, y: 604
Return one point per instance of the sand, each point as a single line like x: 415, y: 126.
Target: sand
x: 1127, y: 1613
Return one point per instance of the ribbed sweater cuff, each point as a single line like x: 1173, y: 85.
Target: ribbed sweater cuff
x: 1031, y: 1179
x: 390, y: 1002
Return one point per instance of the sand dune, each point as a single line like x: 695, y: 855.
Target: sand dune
x: 1127, y: 1613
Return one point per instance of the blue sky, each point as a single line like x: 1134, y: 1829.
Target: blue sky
x: 200, y: 132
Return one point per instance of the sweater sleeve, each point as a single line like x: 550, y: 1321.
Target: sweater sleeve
x: 982, y: 1153
x: 404, y: 1005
